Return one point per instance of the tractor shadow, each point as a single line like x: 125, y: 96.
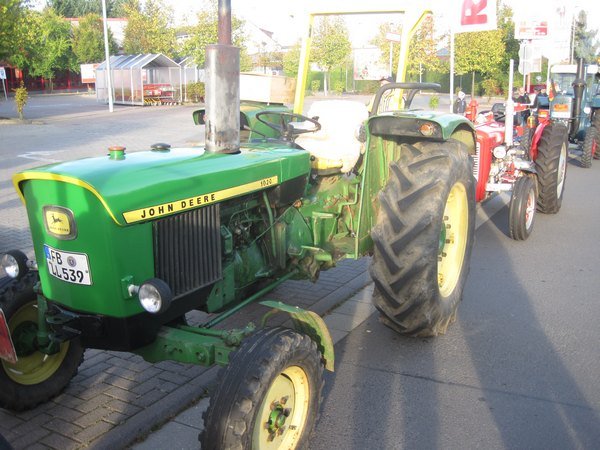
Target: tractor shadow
x: 508, y: 373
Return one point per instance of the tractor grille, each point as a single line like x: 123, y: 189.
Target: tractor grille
x: 187, y: 249
x: 476, y: 158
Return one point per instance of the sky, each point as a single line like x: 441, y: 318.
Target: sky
x: 284, y: 17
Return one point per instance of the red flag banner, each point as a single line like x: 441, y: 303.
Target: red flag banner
x: 476, y: 15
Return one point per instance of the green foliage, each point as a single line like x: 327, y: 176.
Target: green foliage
x: 315, y: 85
x: 586, y: 44
x: 21, y: 99
x: 148, y: 28
x: 434, y: 101
x: 88, y: 40
x: 331, y: 44
x: 338, y: 86
x: 11, y: 22
x: 80, y: 8
x: 490, y: 87
x: 47, y: 41
x: 290, y: 61
x: 480, y: 51
x: 422, y: 52
x: 195, y: 91
x: 205, y: 32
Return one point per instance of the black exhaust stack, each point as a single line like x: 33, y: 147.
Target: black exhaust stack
x: 222, y: 118
x: 578, y: 90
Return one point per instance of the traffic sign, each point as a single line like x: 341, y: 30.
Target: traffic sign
x: 2, y: 73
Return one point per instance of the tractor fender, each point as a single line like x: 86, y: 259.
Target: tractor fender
x: 535, y: 140
x: 306, y: 322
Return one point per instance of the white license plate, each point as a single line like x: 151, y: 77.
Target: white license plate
x: 68, y: 266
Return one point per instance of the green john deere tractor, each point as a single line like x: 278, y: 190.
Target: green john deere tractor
x: 127, y: 244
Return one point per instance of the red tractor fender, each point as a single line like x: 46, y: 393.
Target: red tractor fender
x: 537, y: 135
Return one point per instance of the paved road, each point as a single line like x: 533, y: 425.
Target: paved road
x: 518, y: 369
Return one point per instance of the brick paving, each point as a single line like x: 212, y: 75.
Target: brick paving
x: 117, y: 398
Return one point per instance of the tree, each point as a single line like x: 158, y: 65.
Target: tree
x: 50, y: 45
x: 80, y: 8
x: 422, y: 52
x: 11, y: 21
x: 290, y: 60
x: 88, y: 40
x: 585, y: 44
x: 148, y: 28
x: 205, y: 32
x: 331, y: 44
x: 384, y: 44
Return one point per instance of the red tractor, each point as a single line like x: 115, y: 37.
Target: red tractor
x: 526, y: 156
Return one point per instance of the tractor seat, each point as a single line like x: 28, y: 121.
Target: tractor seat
x: 334, y: 148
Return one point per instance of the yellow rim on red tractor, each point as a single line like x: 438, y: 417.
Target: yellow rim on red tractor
x: 453, y: 239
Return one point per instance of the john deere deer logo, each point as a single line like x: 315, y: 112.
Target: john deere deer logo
x: 57, y: 222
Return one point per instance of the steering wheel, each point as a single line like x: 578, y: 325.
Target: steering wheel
x: 284, y: 125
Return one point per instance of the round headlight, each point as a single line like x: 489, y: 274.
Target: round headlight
x: 500, y: 152
x: 587, y: 110
x: 14, y: 264
x: 155, y: 296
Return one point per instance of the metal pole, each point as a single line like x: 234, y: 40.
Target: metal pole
x: 107, y: 54
x: 224, y: 30
x: 391, y: 55
x: 451, y: 69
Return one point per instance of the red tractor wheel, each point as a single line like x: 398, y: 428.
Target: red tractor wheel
x: 521, y: 213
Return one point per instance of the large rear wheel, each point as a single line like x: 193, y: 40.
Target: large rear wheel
x: 551, y: 167
x: 423, y: 238
x: 590, y: 147
x: 269, y: 394
x: 36, y: 377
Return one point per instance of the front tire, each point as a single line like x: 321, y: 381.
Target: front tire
x: 36, y: 377
x: 521, y: 213
x: 424, y: 237
x: 269, y: 394
x: 551, y: 167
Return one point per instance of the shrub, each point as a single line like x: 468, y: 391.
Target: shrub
x: 490, y: 87
x: 195, y: 91
x: 339, y: 86
x: 21, y: 99
x: 434, y: 101
x: 315, y: 85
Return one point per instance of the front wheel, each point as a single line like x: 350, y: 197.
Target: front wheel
x: 36, y: 377
x: 423, y: 238
x: 269, y: 394
x: 521, y: 211
x: 551, y: 167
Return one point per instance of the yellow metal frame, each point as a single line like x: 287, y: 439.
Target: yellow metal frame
x: 414, y: 17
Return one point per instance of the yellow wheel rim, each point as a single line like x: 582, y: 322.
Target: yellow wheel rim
x: 284, y: 411
x: 453, y: 239
x: 34, y: 367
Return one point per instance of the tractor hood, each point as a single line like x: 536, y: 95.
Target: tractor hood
x: 139, y: 186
